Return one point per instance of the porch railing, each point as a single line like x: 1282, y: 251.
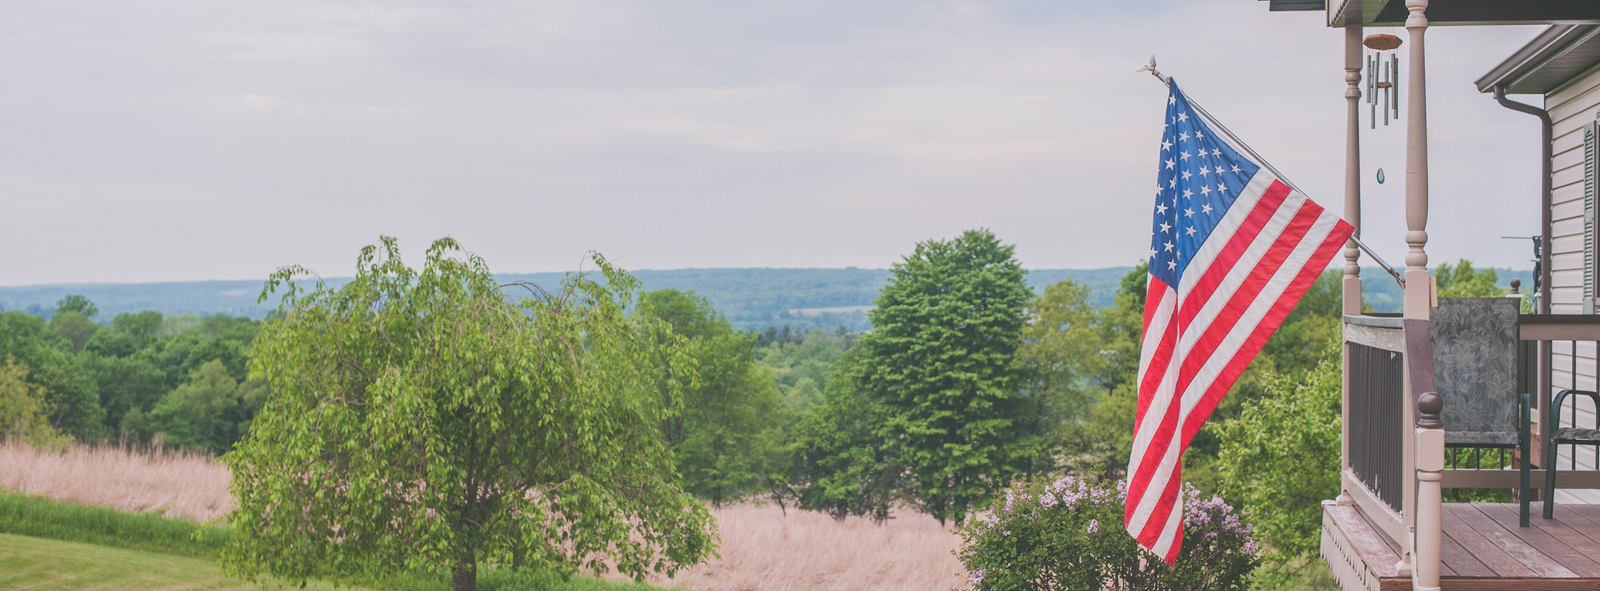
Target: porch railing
x: 1555, y: 354
x: 1377, y: 444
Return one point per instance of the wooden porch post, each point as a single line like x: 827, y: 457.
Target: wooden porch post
x: 1428, y: 440
x: 1352, y: 214
x: 1352, y: 158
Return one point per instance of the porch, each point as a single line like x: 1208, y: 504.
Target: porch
x: 1482, y: 548
x: 1396, y: 466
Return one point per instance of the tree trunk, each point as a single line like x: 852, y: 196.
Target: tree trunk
x: 465, y: 576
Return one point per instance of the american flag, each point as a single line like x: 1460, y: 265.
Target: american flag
x: 1232, y: 249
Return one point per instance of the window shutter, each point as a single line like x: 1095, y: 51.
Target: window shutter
x: 1590, y: 149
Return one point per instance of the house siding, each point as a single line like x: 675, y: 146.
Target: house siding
x: 1571, y: 107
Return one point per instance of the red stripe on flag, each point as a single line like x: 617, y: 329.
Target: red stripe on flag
x: 1241, y: 299
x: 1163, y: 509
x: 1163, y: 353
x: 1271, y: 199
x: 1264, y: 330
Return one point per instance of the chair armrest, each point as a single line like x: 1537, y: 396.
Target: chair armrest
x: 1555, y: 406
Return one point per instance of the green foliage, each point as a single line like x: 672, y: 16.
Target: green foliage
x: 74, y: 328
x: 802, y: 364
x: 126, y: 384
x: 1067, y: 534
x: 1061, y: 361
x: 22, y: 409
x: 71, y: 400
x: 729, y: 407
x: 845, y: 465
x: 1280, y: 457
x: 1463, y: 281
x: 200, y: 414
x: 938, y: 367
x: 76, y: 304
x: 421, y: 422
x: 45, y: 518
x: 1106, y: 435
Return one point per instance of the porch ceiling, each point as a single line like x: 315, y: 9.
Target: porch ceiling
x: 1557, y: 55
x: 1392, y: 13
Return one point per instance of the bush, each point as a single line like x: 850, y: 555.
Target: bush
x: 150, y: 532
x: 1068, y: 534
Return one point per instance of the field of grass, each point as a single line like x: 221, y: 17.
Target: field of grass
x: 762, y: 548
x: 187, y: 485
x: 37, y: 563
x: 45, y: 518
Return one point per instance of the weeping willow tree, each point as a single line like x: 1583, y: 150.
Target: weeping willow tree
x: 424, y: 421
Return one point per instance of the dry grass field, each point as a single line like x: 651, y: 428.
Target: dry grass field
x: 190, y: 486
x: 761, y: 547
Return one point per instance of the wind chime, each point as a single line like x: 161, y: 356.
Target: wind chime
x: 1383, y: 80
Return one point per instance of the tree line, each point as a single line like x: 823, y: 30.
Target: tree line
x: 968, y: 381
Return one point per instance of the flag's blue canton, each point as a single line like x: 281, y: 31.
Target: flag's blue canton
x: 1200, y: 177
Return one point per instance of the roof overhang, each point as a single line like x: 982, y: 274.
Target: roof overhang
x: 1392, y: 13
x: 1557, y: 55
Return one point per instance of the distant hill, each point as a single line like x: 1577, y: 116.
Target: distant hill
x: 751, y: 298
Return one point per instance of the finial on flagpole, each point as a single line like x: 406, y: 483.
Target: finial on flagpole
x: 1151, y: 68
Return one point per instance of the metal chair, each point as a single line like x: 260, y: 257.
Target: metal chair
x: 1475, y: 360
x: 1565, y: 435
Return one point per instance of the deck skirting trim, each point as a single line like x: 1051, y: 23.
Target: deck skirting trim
x: 1348, y: 568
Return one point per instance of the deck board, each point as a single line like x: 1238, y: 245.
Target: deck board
x: 1485, y: 549
x: 1541, y: 534
x: 1542, y: 565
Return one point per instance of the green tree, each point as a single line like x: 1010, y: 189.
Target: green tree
x: 22, y: 409
x: 73, y: 320
x: 1463, y: 281
x: 200, y: 414
x: 939, y: 359
x: 420, y: 420
x: 1280, y: 458
x: 77, y: 304
x: 71, y: 400
x: 729, y: 406
x: 842, y: 464
x: 1061, y: 361
x: 125, y: 384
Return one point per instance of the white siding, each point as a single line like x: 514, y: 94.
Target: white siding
x: 1571, y: 107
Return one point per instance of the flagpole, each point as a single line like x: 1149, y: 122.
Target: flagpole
x: 1151, y: 68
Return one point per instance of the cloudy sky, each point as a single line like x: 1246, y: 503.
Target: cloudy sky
x: 156, y: 140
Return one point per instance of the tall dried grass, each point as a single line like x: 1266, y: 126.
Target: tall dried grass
x: 762, y: 548
x: 766, y: 550
x: 180, y: 484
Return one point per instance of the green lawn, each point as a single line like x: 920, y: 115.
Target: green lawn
x: 38, y: 563
x: 41, y: 564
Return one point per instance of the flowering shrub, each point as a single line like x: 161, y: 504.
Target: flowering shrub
x: 1068, y: 534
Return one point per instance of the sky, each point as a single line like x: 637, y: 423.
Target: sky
x: 176, y: 140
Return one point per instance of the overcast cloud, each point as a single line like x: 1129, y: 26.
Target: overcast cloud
x: 150, y: 140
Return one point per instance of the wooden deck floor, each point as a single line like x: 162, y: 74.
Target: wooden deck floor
x: 1484, y: 549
